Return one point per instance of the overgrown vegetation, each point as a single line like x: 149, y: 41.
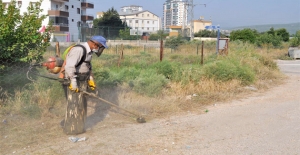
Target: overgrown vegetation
x: 273, y: 38
x: 20, y: 40
x: 295, y: 41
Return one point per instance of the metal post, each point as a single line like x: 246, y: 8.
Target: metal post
x: 202, y: 53
x: 197, y: 48
x: 218, y: 40
x: 161, y: 50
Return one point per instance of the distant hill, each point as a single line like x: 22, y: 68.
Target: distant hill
x: 292, y: 28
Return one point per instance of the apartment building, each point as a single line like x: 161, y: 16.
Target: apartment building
x: 142, y: 21
x: 174, y: 14
x: 67, y: 16
x: 131, y: 8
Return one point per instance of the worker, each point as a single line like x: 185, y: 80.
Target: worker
x: 78, y: 70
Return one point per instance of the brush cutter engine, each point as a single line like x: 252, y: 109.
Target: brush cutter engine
x: 53, y: 64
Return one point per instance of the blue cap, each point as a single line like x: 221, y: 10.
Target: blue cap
x: 100, y: 40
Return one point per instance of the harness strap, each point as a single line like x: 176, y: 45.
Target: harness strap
x: 83, y: 57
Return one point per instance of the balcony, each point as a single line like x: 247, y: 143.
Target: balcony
x: 87, y: 17
x: 60, y: 27
x: 60, y: 0
x: 58, y: 13
x: 87, y: 5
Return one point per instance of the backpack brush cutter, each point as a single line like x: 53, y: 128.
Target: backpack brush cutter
x: 54, y: 65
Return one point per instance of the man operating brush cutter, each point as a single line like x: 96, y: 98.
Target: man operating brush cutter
x: 77, y: 70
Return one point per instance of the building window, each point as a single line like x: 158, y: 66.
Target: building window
x: 152, y: 22
x: 78, y: 11
x: 19, y: 3
x: 147, y: 28
x: 72, y: 6
x: 72, y: 20
x: 137, y: 15
x: 66, y: 7
x: 147, y: 15
x: 142, y: 21
x: 142, y: 28
x: 147, y: 22
x: 142, y: 15
x: 136, y: 21
x: 129, y: 21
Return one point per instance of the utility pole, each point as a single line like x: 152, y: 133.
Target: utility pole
x: 184, y: 19
x: 189, y: 8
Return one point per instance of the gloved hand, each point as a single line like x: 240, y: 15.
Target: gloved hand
x: 91, y: 83
x: 73, y: 85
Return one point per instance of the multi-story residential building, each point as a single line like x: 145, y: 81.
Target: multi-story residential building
x: 143, y: 21
x: 131, y: 8
x: 67, y: 16
x: 174, y: 14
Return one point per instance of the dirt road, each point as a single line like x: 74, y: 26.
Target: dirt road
x: 265, y: 123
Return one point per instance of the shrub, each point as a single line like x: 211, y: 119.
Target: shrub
x: 165, y: 68
x: 245, y: 35
x: 268, y: 39
x: 229, y: 69
x: 294, y: 42
x: 149, y: 83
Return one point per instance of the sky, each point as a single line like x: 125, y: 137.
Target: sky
x: 225, y: 13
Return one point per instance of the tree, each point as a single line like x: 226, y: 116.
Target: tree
x: 283, y: 34
x: 110, y: 23
x: 20, y: 40
x: 159, y: 35
x: 269, y: 40
x: 271, y: 31
x: 245, y: 35
x: 125, y: 35
x: 174, y: 42
x: 295, y: 41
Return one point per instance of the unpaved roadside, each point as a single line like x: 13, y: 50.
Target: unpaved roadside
x: 265, y: 123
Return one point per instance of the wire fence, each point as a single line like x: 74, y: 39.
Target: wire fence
x: 13, y: 76
x: 110, y: 33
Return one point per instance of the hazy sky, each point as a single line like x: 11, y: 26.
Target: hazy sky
x: 226, y: 13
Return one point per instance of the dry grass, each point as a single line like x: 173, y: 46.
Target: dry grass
x: 19, y: 132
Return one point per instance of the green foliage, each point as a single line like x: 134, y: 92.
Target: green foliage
x: 295, y: 41
x: 174, y: 42
x: 149, y: 83
x: 108, y: 22
x: 245, y: 35
x: 285, y: 36
x: 268, y: 39
x: 110, y: 18
x: 159, y: 35
x: 165, y: 68
x: 20, y: 40
x: 229, y: 69
x: 125, y: 35
x: 208, y: 33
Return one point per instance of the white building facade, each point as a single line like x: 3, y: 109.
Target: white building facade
x: 131, y: 8
x: 67, y: 16
x: 174, y: 14
x: 140, y: 21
